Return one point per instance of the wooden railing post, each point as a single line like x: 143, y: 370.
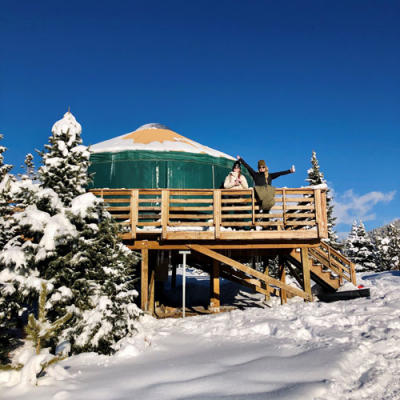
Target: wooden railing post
x: 284, y: 208
x: 134, y: 211
x: 253, y: 208
x: 164, y: 212
x: 217, y: 213
x: 324, y: 219
x: 319, y: 219
x: 353, y: 273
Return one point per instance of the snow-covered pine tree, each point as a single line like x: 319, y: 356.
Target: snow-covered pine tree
x: 367, y: 252
x: 388, y: 246
x: 5, y: 198
x: 19, y: 278
x: 95, y: 278
x: 76, y: 249
x: 33, y: 358
x: 349, y: 248
x: 29, y: 167
x: 66, y: 161
x: 4, y: 168
x: 316, y: 177
x: 360, y: 249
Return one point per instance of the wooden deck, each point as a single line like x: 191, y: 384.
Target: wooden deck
x: 227, y: 229
x: 217, y: 215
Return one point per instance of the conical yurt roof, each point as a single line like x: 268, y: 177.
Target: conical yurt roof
x: 155, y: 137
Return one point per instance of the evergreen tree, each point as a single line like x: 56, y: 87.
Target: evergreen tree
x: 5, y: 198
x: 349, y: 246
x: 388, y: 245
x: 4, y: 168
x: 96, y: 277
x: 76, y: 251
x: 34, y: 358
x: 316, y: 177
x: 5, y: 209
x: 29, y: 167
x: 66, y: 161
x: 360, y: 249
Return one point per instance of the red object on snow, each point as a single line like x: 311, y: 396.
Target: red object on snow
x: 360, y: 286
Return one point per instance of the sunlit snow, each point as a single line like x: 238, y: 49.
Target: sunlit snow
x: 343, y: 350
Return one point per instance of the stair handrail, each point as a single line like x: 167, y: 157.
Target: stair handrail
x: 336, y: 262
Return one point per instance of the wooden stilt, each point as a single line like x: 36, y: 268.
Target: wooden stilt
x: 173, y: 277
x: 152, y: 286
x: 266, y: 272
x: 283, y: 280
x: 144, y: 279
x: 306, y: 263
x: 215, y: 288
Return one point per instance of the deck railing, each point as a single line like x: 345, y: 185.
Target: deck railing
x: 176, y: 214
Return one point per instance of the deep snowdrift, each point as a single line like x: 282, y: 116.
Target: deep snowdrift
x: 342, y: 350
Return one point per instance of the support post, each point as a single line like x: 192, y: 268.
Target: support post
x: 173, y: 275
x: 215, y: 301
x: 184, y: 254
x: 152, y: 286
x: 306, y: 263
x: 144, y: 279
x: 283, y: 280
x: 266, y: 272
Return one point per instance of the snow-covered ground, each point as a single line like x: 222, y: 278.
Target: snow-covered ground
x: 342, y: 350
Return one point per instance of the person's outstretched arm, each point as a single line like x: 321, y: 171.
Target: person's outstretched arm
x: 251, y: 170
x: 274, y: 175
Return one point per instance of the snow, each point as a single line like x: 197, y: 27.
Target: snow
x: 161, y: 142
x: 67, y: 124
x: 322, y: 351
x: 81, y: 204
x: 58, y: 226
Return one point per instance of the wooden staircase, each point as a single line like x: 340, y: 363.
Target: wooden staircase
x: 329, y: 268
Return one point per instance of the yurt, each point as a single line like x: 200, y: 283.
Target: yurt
x: 154, y: 156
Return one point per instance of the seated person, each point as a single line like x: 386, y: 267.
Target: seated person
x: 235, y: 179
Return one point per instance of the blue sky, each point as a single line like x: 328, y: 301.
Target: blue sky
x: 263, y: 79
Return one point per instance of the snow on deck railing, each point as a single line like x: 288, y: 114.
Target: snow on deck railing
x: 217, y: 213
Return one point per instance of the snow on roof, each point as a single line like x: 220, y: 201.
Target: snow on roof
x: 154, y: 137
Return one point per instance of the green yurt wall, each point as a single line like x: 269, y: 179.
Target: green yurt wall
x: 153, y: 156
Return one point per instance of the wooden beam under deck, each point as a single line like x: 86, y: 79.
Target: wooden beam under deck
x: 217, y: 245
x: 259, y: 275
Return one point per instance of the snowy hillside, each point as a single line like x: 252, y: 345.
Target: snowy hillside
x: 342, y: 350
